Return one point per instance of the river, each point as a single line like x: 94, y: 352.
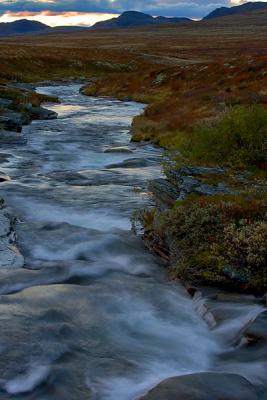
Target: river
x: 92, y: 315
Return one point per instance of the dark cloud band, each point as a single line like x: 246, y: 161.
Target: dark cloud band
x: 190, y: 8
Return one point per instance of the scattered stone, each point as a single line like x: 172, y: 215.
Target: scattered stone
x: 160, y: 79
x: 203, y: 386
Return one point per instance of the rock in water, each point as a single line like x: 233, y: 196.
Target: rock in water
x: 10, y: 256
x: 118, y: 150
x: 42, y: 113
x: 203, y: 386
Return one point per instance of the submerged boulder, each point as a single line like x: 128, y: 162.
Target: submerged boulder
x: 133, y: 163
x: 203, y: 386
x: 42, y: 113
x: 13, y: 121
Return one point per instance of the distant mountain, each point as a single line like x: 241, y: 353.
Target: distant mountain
x: 22, y: 26
x: 242, y: 9
x: 25, y: 26
x: 134, y: 19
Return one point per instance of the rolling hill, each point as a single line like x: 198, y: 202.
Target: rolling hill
x: 22, y: 26
x: 134, y: 19
x: 242, y: 9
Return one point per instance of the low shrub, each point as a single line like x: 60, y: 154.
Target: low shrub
x: 238, y: 138
x: 219, y: 240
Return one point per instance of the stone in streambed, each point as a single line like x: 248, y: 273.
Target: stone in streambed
x: 132, y: 163
x: 257, y: 330
x: 4, y: 178
x: 203, y: 386
x: 10, y: 256
x: 13, y: 121
x: 118, y: 150
x: 42, y: 113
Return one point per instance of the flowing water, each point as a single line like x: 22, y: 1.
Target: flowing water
x: 92, y: 316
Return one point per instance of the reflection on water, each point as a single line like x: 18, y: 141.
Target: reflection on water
x: 92, y: 314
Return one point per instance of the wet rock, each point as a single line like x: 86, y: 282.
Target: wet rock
x: 118, y: 150
x: 24, y: 86
x: 10, y: 256
x: 203, y: 310
x: 203, y: 386
x: 181, y: 183
x: 11, y: 137
x: 237, y: 275
x: 257, y: 330
x: 188, y: 184
x: 42, y: 113
x: 13, y: 121
x: 4, y: 178
x: 133, y: 163
x: 165, y: 194
x: 5, y: 225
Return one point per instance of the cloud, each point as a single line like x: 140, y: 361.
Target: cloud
x: 57, y: 18
x: 193, y: 8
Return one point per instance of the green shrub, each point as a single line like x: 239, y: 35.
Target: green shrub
x: 208, y: 235
x: 237, y: 138
x: 245, y: 245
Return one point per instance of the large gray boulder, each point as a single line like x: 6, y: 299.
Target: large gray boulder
x: 204, y: 386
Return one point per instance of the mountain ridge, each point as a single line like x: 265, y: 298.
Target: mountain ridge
x: 135, y: 18
x: 240, y: 9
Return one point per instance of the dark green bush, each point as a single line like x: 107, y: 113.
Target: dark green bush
x: 237, y: 138
x: 209, y: 235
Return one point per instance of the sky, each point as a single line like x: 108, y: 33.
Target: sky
x: 87, y: 12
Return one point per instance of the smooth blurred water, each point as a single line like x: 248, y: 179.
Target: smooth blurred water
x: 92, y: 316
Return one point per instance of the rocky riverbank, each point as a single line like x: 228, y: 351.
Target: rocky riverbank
x: 216, y: 291
x: 209, y: 226
x: 19, y: 105
x: 220, y: 309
